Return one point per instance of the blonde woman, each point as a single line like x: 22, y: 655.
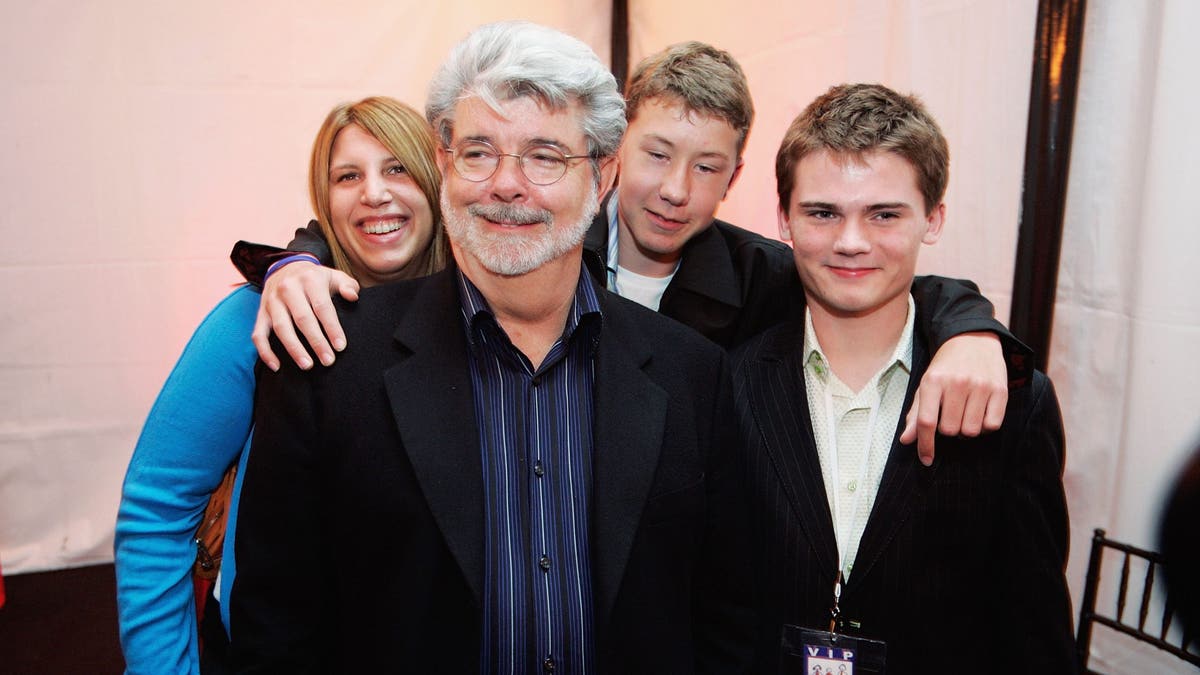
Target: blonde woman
x: 373, y: 182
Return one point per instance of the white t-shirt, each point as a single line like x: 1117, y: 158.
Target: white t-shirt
x: 646, y: 291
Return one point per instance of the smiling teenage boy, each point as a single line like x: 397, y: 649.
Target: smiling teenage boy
x: 658, y: 241
x: 956, y: 567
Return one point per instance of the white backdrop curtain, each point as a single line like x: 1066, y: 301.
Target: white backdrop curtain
x: 141, y: 139
x: 1127, y: 321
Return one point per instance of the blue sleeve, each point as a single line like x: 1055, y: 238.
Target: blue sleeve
x: 228, y: 559
x: 196, y: 429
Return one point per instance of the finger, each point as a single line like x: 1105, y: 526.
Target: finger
x: 285, y: 332
x: 286, y: 301
x: 326, y: 314
x: 996, y: 406
x: 301, y: 310
x: 975, y: 410
x: 927, y: 420
x: 345, y: 286
x: 260, y: 336
x: 953, y: 403
x: 910, y: 420
x: 282, y: 299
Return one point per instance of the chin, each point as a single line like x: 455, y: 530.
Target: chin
x: 846, y: 305
x: 662, y: 243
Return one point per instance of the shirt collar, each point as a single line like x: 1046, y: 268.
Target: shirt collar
x: 815, y: 360
x: 585, y: 310
x: 610, y: 260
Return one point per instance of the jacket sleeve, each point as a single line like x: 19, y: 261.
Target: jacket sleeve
x: 194, y: 432
x: 950, y: 307
x: 253, y: 260
x: 277, y: 600
x: 1036, y: 536
x: 724, y: 612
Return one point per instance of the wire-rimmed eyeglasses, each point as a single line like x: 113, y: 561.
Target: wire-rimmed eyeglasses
x: 477, y: 161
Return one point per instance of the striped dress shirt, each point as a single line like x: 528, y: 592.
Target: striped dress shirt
x: 535, y: 433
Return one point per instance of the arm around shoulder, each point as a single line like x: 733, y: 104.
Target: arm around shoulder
x: 950, y: 307
x: 254, y: 261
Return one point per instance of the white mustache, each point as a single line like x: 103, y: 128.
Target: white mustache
x: 511, y: 213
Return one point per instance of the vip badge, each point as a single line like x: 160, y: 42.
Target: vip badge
x: 824, y: 660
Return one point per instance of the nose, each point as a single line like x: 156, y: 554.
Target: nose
x: 509, y: 182
x: 375, y: 191
x: 852, y: 238
x: 675, y: 187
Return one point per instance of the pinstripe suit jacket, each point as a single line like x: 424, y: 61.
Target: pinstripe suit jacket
x: 960, y: 567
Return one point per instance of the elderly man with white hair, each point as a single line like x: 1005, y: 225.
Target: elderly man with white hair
x: 511, y: 469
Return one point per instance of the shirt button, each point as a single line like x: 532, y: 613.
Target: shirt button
x: 538, y: 469
x: 852, y: 485
x: 536, y: 381
x: 544, y: 563
x: 548, y: 665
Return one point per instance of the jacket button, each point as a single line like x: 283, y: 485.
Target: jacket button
x: 548, y: 665
x: 538, y: 469
x: 544, y: 563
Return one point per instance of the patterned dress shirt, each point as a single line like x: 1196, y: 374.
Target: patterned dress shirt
x: 535, y: 433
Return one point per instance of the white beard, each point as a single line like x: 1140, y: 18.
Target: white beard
x: 522, y: 251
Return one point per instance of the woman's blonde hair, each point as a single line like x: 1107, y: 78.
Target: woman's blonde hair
x: 406, y: 134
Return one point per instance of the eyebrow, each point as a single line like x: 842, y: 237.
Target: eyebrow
x: 532, y: 142
x: 882, y: 206
x: 549, y: 141
x: 825, y: 206
x: 354, y: 165
x: 660, y: 139
x: 667, y: 142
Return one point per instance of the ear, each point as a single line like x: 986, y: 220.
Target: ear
x: 933, y: 224
x: 785, y: 230
x: 608, y: 174
x: 737, y: 171
x: 443, y: 160
x: 622, y: 148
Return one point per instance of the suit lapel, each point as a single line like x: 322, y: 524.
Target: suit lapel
x: 433, y: 405
x: 779, y: 400
x: 900, y: 486
x: 631, y: 414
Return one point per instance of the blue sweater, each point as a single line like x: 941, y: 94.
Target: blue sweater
x: 199, y: 425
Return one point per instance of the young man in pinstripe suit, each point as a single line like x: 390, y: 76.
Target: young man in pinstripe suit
x: 957, y: 567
